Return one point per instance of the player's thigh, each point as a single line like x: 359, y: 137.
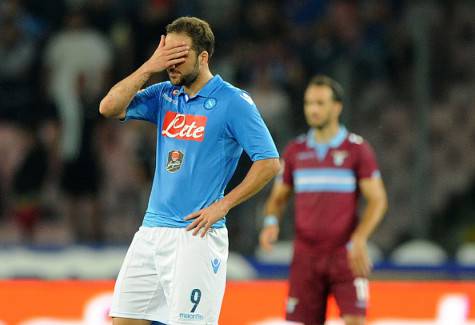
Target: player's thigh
x: 200, y: 277
x: 138, y: 293
x: 351, y: 293
x: 308, y: 291
x: 129, y: 321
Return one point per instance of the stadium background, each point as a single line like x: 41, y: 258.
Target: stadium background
x: 408, y: 68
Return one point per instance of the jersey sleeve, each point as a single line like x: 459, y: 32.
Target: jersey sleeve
x: 367, y: 165
x: 288, y: 167
x: 248, y: 128
x: 145, y: 104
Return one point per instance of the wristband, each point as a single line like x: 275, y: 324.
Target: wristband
x: 271, y: 220
x: 349, y: 245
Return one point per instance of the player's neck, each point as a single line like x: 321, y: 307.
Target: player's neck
x: 199, y: 83
x: 327, y: 133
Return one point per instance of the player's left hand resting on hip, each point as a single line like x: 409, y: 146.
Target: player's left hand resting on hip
x: 358, y: 258
x: 206, y: 217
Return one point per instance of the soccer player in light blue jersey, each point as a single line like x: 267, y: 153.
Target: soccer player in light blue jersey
x: 175, y: 269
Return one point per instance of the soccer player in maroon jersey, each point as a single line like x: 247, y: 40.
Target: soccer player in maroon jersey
x: 327, y: 169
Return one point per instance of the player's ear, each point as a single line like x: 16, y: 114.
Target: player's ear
x: 338, y: 108
x: 203, y: 57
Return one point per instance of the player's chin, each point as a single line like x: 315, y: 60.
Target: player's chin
x: 315, y: 125
x: 175, y: 80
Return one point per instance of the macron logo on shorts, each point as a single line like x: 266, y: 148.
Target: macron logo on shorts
x: 184, y: 126
x: 215, y: 264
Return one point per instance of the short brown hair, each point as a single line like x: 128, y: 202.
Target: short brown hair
x: 322, y: 80
x: 198, y: 30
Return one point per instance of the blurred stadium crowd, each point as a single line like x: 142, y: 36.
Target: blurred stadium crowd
x: 69, y: 176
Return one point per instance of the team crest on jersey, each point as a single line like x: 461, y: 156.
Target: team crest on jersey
x: 175, y: 160
x: 175, y: 92
x: 210, y: 103
x: 339, y: 157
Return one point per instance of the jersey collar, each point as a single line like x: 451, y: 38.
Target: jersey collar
x: 321, y: 149
x: 334, y: 142
x: 207, y: 89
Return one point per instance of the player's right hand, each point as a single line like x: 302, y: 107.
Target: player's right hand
x: 268, y: 237
x: 167, y: 55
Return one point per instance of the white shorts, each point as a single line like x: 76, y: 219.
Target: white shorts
x: 173, y: 277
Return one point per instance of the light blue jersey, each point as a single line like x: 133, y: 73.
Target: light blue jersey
x: 199, y: 142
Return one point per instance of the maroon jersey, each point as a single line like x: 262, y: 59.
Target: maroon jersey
x: 325, y: 181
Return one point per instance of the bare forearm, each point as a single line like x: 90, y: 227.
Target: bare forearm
x: 276, y: 203
x: 260, y: 173
x: 115, y: 103
x: 372, y: 216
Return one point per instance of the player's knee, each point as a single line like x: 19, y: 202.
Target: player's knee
x: 128, y: 321
x: 354, y: 320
